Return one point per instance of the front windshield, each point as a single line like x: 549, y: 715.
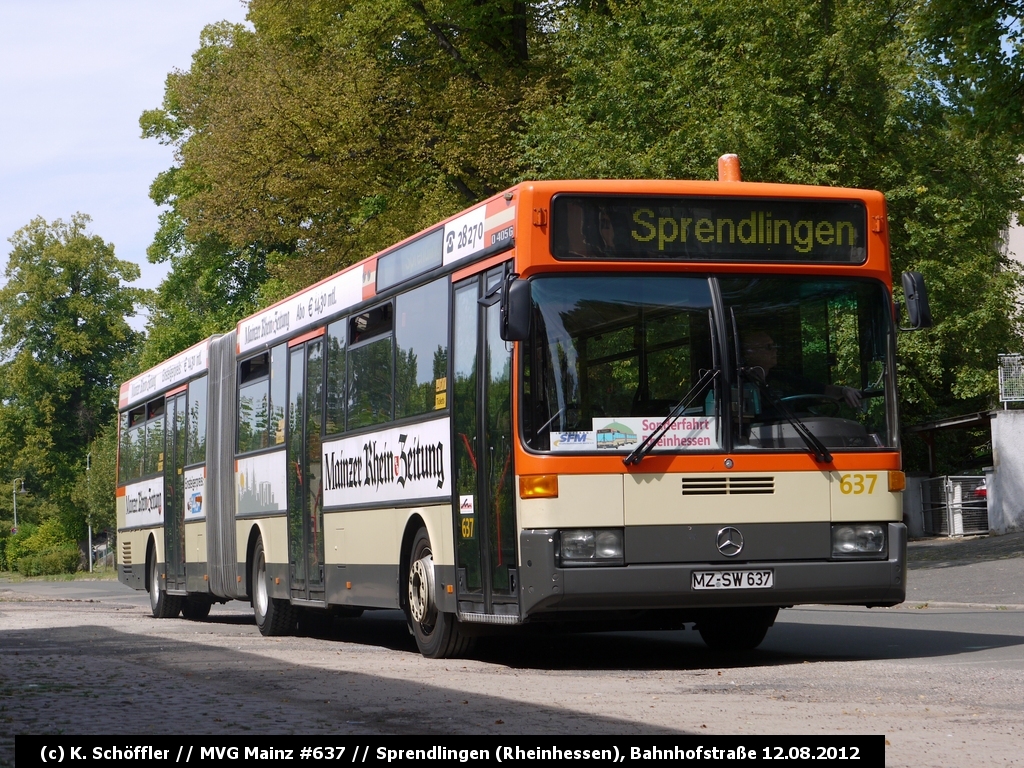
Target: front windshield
x: 812, y: 349
x: 610, y: 355
x: 608, y: 358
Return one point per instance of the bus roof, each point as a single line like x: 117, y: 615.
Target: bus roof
x: 487, y: 227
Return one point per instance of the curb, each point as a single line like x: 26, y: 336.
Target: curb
x: 918, y: 604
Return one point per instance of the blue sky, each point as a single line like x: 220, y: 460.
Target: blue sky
x: 74, y: 77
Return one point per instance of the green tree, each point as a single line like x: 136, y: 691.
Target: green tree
x: 324, y: 133
x: 64, y: 332
x: 93, y: 493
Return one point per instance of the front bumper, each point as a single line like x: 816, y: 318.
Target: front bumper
x: 548, y: 590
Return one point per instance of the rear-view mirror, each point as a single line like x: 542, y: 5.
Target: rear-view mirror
x: 917, y: 301
x: 515, y: 309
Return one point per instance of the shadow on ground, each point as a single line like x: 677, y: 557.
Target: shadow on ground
x: 951, y: 552
x: 788, y: 642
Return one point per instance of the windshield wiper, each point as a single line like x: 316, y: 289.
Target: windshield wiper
x: 706, y: 377
x: 817, y: 448
x: 559, y: 412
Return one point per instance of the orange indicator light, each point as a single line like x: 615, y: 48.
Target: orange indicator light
x: 897, y: 480
x: 538, y: 487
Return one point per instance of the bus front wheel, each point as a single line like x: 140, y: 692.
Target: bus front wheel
x: 274, y: 616
x: 438, y: 634
x: 735, y: 629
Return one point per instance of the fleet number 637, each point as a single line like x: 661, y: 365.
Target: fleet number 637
x: 857, y: 484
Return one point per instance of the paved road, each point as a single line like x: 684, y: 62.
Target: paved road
x: 983, y: 570
x: 941, y: 676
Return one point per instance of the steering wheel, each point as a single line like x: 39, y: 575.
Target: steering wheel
x: 816, y: 405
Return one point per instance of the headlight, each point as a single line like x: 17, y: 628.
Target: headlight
x: 585, y: 546
x: 863, y: 540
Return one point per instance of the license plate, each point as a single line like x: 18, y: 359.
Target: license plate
x: 733, y: 579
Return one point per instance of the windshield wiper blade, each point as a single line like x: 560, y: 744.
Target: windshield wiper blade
x: 645, y: 447
x: 817, y: 448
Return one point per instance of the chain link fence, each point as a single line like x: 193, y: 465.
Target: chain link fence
x: 955, y: 505
x: 1011, y: 378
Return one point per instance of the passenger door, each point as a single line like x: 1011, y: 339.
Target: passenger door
x: 174, y: 492
x: 484, y: 508
x: 305, y: 486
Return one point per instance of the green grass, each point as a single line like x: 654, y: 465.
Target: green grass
x: 99, y: 574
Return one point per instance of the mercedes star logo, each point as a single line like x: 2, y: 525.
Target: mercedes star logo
x: 730, y: 541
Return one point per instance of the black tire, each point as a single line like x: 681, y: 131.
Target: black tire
x: 438, y: 634
x: 162, y: 605
x: 315, y: 622
x: 274, y: 616
x: 736, y: 629
x: 196, y: 606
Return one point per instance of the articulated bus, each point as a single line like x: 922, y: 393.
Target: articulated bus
x: 592, y: 403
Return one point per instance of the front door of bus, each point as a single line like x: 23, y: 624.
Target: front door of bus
x: 174, y: 492
x: 305, y: 489
x: 484, y: 508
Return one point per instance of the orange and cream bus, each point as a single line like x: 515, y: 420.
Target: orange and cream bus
x: 609, y: 403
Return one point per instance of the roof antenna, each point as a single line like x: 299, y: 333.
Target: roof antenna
x: 729, y: 168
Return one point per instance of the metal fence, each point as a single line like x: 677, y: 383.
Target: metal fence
x: 955, y: 505
x: 1011, y: 378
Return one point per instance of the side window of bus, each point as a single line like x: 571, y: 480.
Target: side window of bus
x: 141, y: 442
x: 421, y: 338
x: 196, y: 429
x: 124, y: 450
x: 154, y: 461
x: 135, y: 462
x: 369, y: 367
x: 278, y: 392
x: 336, y: 396
x: 262, y: 391
x: 253, y: 403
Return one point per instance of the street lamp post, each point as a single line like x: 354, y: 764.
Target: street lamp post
x: 14, y: 496
x: 88, y: 456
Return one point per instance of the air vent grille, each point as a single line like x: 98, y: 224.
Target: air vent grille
x: 728, y: 486
x: 126, y: 552
x: 700, y: 486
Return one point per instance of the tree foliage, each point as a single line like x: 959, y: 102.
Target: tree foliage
x: 93, y: 493
x: 64, y: 334
x: 322, y: 134
x: 328, y: 129
x: 905, y: 97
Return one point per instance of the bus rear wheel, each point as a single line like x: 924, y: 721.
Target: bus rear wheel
x: 274, y: 616
x: 438, y: 634
x: 735, y: 629
x: 162, y: 605
x: 196, y: 606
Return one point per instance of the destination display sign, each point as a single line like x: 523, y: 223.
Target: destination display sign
x: 708, y: 229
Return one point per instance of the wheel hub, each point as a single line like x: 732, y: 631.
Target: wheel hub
x: 421, y: 590
x: 260, y: 587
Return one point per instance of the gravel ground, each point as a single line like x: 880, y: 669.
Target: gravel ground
x: 92, y: 663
